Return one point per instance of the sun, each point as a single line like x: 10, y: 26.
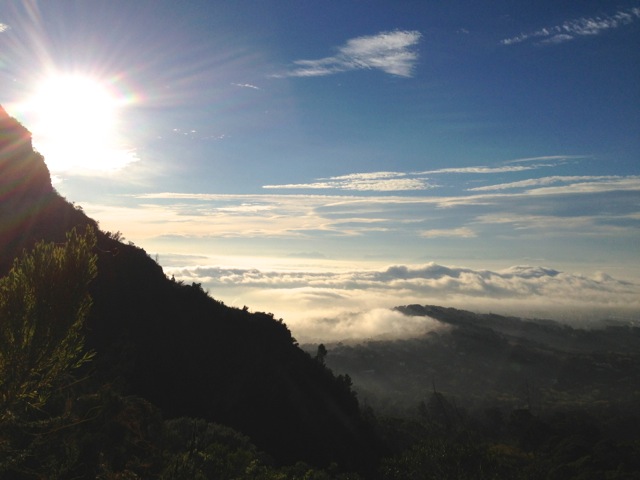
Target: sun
x: 74, y: 120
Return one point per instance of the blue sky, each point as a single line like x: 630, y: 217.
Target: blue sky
x: 328, y: 160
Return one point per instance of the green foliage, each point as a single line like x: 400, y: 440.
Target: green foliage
x: 565, y: 445
x: 44, y: 301
x: 439, y: 459
x: 197, y: 449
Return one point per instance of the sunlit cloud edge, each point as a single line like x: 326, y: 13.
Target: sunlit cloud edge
x: 389, y: 51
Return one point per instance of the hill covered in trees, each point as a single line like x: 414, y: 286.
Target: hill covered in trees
x: 489, y: 396
x: 174, y: 346
x: 489, y: 360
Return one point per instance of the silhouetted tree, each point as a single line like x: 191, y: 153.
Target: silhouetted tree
x: 321, y: 353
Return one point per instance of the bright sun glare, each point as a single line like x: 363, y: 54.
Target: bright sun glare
x: 74, y: 121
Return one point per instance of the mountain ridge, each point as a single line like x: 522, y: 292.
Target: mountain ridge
x: 176, y: 346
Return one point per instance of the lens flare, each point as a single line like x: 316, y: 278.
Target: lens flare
x: 74, y: 121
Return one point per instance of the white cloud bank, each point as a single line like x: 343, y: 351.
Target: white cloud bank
x: 339, y: 305
x: 571, y: 29
x: 391, y: 52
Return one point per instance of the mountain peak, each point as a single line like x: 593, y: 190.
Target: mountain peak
x: 27, y: 198
x: 22, y: 170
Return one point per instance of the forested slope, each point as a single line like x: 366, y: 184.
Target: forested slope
x: 177, y: 347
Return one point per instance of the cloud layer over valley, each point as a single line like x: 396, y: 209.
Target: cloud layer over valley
x: 339, y: 305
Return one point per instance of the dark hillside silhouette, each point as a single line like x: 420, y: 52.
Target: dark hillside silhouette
x: 30, y: 209
x: 174, y: 345
x: 22, y: 170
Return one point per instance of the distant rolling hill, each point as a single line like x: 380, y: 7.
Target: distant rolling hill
x: 484, y: 360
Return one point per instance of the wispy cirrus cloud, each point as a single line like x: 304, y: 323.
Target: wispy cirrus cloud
x: 4, y: 27
x: 397, y: 181
x: 246, y: 85
x: 546, y: 159
x: 485, y: 209
x: 582, y: 209
x: 389, y: 181
x: 461, y: 232
x: 371, y: 182
x: 571, y: 29
x: 549, y: 226
x: 628, y: 183
x: 483, y: 170
x: 609, y: 180
x: 392, y: 52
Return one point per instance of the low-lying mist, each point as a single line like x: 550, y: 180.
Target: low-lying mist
x: 349, y: 305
